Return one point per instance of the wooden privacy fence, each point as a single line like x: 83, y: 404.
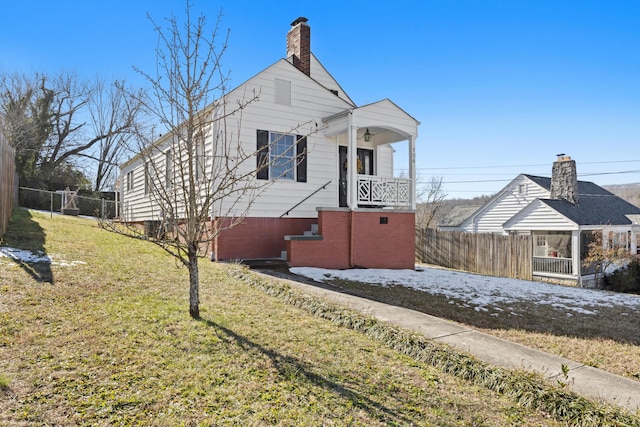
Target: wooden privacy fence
x: 7, y: 183
x: 488, y: 254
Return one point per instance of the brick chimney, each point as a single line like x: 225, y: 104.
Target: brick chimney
x: 299, y: 45
x: 564, y: 179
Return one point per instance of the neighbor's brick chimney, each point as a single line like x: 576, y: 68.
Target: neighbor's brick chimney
x: 299, y: 45
x: 564, y: 179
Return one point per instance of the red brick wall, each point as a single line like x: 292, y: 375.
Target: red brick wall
x: 330, y: 252
x: 374, y: 245
x: 390, y: 245
x: 260, y: 237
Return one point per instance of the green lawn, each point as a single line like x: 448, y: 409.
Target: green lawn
x: 109, y: 341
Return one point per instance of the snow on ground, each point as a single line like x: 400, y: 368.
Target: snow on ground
x: 484, y: 293
x: 29, y: 257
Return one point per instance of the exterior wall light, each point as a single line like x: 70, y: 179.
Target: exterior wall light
x: 367, y: 135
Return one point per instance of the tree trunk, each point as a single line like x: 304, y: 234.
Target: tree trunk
x: 194, y: 285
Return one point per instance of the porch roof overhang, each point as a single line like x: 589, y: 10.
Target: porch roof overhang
x: 384, y: 119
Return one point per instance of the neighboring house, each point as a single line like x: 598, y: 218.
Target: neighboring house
x: 340, y: 206
x: 561, y: 214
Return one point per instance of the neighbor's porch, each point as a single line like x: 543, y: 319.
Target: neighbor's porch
x: 553, y: 254
x: 560, y: 254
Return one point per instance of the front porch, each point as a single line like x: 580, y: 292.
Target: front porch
x: 561, y: 254
x: 365, y: 137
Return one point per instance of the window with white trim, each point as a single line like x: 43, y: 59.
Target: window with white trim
x: 281, y: 156
x: 200, y: 161
x: 130, y: 181
x: 168, y: 169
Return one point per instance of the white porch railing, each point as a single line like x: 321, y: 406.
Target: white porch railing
x: 553, y: 265
x: 379, y: 191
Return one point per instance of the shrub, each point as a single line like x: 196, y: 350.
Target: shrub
x: 625, y: 279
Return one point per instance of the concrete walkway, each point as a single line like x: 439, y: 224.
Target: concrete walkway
x: 585, y: 380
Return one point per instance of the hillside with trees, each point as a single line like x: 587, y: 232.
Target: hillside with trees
x: 629, y: 192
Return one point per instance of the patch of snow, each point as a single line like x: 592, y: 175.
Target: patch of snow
x: 482, y: 292
x: 24, y: 255
x: 31, y: 257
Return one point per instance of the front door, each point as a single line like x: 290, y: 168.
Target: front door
x: 365, y: 167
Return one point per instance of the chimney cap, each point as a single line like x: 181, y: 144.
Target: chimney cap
x: 563, y: 157
x: 302, y: 19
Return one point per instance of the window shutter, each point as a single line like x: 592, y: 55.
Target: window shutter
x: 301, y: 158
x: 262, y: 158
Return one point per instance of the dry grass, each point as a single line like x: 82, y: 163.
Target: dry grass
x: 609, y: 340
x: 110, y: 342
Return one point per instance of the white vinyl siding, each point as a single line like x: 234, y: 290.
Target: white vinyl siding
x: 384, y: 160
x: 539, y: 216
x: 309, y: 103
x: 492, y: 217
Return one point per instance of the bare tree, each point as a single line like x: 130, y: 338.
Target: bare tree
x: 56, y: 120
x: 115, y: 115
x: 199, y: 171
x: 430, y: 198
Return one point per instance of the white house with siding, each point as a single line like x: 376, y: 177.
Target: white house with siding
x: 561, y: 214
x: 343, y: 163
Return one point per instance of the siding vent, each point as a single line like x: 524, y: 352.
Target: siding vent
x: 283, y: 92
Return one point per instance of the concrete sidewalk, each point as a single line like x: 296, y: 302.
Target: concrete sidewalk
x: 585, y: 380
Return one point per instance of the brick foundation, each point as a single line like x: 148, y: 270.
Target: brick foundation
x: 369, y: 239
x: 259, y: 237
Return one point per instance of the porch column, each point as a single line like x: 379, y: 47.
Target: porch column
x: 352, y: 169
x: 412, y: 172
x: 575, y: 254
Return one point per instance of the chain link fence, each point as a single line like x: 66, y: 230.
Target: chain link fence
x: 101, y: 207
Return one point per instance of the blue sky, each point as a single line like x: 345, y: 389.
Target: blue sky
x: 500, y: 87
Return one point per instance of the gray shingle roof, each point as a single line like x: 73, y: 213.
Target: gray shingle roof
x: 596, y: 206
x: 457, y: 215
x: 584, y: 187
x: 595, y: 209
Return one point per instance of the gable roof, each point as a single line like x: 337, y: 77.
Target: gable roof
x: 595, y: 209
x: 320, y: 76
x: 457, y: 215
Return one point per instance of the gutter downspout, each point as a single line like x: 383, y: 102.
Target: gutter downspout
x: 214, y: 244
x: 351, y: 239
